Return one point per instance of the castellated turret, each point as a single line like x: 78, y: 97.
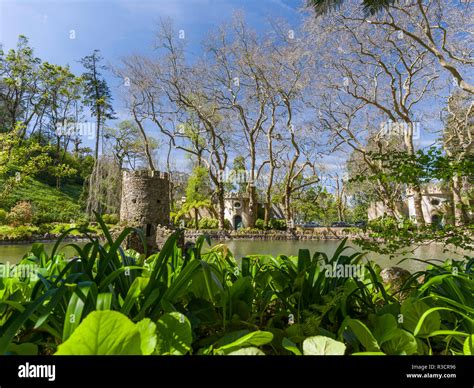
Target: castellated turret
x: 145, y: 204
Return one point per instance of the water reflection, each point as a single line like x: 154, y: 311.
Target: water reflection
x: 240, y: 248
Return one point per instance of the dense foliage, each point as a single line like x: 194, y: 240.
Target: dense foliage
x: 106, y: 300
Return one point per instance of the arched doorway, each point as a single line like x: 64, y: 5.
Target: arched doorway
x: 437, y: 221
x: 238, y: 222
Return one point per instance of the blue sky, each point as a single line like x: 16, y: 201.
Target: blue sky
x: 122, y: 27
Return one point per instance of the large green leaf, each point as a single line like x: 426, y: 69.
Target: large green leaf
x: 103, y: 333
x: 148, y: 336
x: 412, y: 312
x: 402, y: 343
x: 385, y: 327
x: 254, y: 338
x: 321, y: 346
x: 468, y: 348
x: 290, y: 346
x: 364, y: 335
x: 247, y: 352
x: 174, y: 334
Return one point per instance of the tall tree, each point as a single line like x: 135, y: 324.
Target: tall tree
x: 383, y: 71
x: 61, y: 94
x: 19, y: 87
x: 198, y: 192
x: 97, y: 94
x: 99, y: 99
x: 127, y: 145
x: 442, y: 28
x: 459, y: 146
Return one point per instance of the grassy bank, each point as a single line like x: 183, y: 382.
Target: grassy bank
x: 48, y: 203
x: 46, y: 232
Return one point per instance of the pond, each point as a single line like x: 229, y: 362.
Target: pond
x: 432, y: 252
x: 13, y: 253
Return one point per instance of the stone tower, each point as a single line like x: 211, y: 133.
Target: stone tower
x: 145, y: 204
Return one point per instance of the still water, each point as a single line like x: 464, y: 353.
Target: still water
x: 240, y: 248
x: 432, y: 252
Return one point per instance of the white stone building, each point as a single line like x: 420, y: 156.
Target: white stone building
x: 436, y: 202
x: 237, y: 210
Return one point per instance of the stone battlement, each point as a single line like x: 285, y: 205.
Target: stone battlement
x: 146, y: 174
x: 431, y: 189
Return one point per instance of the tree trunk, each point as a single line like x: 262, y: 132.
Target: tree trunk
x: 389, y: 206
x: 221, y: 203
x: 415, y: 187
x: 253, y: 205
x: 268, y: 194
x: 271, y: 158
x: 97, y: 135
x: 340, y: 212
x: 268, y: 210
x: 417, y: 200
x: 387, y: 200
x: 460, y: 214
x: 146, y: 143
x: 252, y: 193
x: 287, y: 205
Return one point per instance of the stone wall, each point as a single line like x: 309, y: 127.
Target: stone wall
x: 323, y: 233
x: 378, y: 209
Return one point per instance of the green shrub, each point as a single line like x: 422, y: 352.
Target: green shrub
x: 20, y: 214
x: 382, y: 224
x: 60, y: 228
x: 3, y: 216
x: 111, y: 219
x: 260, y: 224
x: 208, y: 223
x: 45, y: 228
x: 277, y: 224
x: 83, y: 225
x: 18, y: 233
x: 189, y: 224
x: 45, y: 213
x: 249, y: 230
